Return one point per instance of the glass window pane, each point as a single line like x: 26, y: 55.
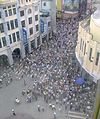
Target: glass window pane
x: 9, y: 6
x: 49, y: 24
x: 0, y: 44
x: 36, y: 17
x: 23, y: 23
x: 97, y: 58
x: 10, y: 12
x: 14, y: 10
x: 1, y: 28
x: 6, y: 14
x: 14, y: 37
x: 90, y: 55
x: 0, y: 14
x: 30, y: 20
x: 22, y: 13
x: 84, y: 48
x: 31, y: 31
x: 12, y: 24
x: 37, y: 27
x: 13, y: 5
x: 8, y: 25
x: 29, y: 11
x: 17, y: 34
x: 81, y: 44
x: 16, y: 23
x: 10, y: 39
x: 4, y: 41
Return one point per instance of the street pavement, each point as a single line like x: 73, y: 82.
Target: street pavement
x: 7, y: 103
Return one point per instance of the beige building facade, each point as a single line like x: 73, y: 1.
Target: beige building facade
x: 88, y: 46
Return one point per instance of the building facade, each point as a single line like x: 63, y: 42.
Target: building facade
x: 88, y: 46
x: 20, y: 26
x: 47, y: 19
x: 50, y: 7
x: 10, y: 37
x: 29, y: 22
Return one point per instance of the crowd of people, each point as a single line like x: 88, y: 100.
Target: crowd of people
x: 53, y: 70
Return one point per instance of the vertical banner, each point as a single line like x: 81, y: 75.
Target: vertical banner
x: 24, y: 35
x: 25, y: 39
x: 41, y: 26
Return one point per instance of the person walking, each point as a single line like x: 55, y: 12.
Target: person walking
x: 54, y: 114
x: 39, y: 108
x: 13, y: 112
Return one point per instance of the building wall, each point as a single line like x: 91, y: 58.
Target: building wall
x: 10, y: 38
x: 95, y: 29
x: 31, y: 10
x: 12, y: 14
x: 59, y: 5
x: 25, y: 33
x: 50, y: 6
x: 89, y: 61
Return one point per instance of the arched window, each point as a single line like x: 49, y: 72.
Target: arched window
x: 29, y: 11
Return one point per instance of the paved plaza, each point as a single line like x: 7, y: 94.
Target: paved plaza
x: 42, y: 86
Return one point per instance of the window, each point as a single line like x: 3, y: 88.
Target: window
x: 90, y: 55
x: 97, y: 58
x: 80, y: 44
x: 13, y: 5
x: 30, y: 20
x: 8, y: 25
x: 4, y: 7
x: 36, y: 8
x: 12, y: 24
x: 10, y: 39
x: 14, y: 37
x: 23, y: 23
x: 22, y: 13
x: 1, y: 28
x: 49, y: 24
x: 37, y: 27
x: 84, y: 48
x: 14, y: 10
x: 6, y: 14
x: 0, y: 14
x: 44, y: 4
x: 9, y: 6
x: 29, y: 11
x: 10, y: 12
x: 16, y: 23
x: 0, y: 44
x: 36, y: 17
x: 33, y: 44
x: 4, y: 41
x: 17, y: 34
x: 31, y: 30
